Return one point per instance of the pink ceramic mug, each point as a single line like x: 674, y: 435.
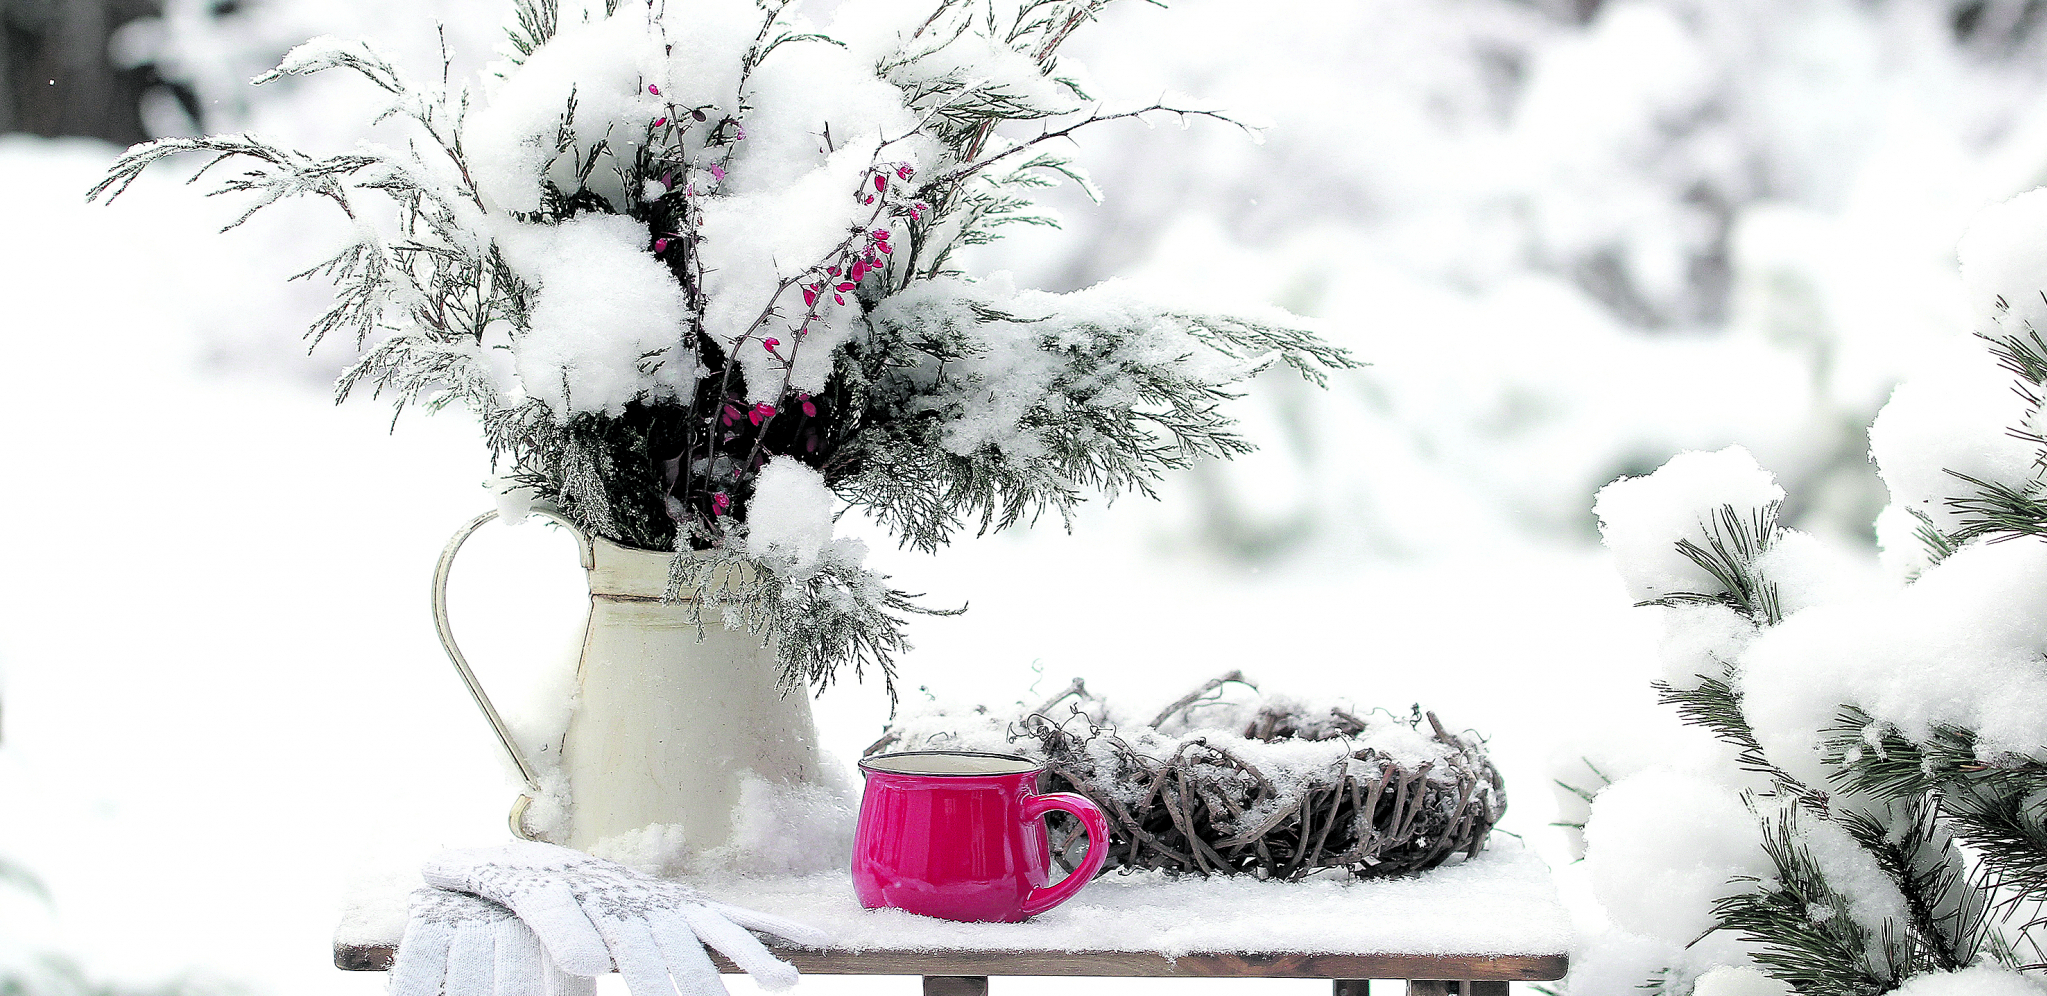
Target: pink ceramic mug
x: 960, y: 835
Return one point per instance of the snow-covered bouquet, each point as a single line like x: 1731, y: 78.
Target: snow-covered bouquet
x: 693, y: 264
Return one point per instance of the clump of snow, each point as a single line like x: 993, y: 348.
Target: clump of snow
x: 1871, y: 895
x: 789, y: 518
x: 2004, y: 264
x: 513, y: 498
x: 782, y: 829
x: 658, y: 849
x: 606, y: 64
x: 1701, y: 640
x: 1962, y: 645
x: 1643, y: 518
x: 1809, y: 571
x: 1954, y: 415
x: 1738, y: 980
x: 607, y: 325
x: 1662, y: 845
x: 1979, y: 980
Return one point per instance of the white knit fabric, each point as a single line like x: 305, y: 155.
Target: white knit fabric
x: 465, y: 945
x: 592, y: 915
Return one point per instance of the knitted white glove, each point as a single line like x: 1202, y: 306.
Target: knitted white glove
x: 466, y: 945
x: 591, y: 914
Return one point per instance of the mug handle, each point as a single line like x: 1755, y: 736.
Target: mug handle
x: 1097, y: 827
x: 447, y: 633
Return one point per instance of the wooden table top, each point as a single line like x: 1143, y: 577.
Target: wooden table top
x: 1511, y: 968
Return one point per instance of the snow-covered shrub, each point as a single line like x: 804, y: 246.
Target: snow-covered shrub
x: 694, y: 265
x: 1889, y: 736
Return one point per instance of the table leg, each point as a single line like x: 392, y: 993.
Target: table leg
x: 955, y: 985
x: 1435, y: 987
x: 1352, y: 987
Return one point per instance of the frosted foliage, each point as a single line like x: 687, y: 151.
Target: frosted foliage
x: 1953, y: 416
x: 1739, y: 980
x: 1982, y: 980
x: 756, y: 244
x: 1701, y: 640
x: 603, y: 329
x: 788, y: 829
x: 606, y: 64
x: 2004, y: 264
x: 790, y: 517
x: 1643, y: 518
x: 1009, y: 371
x: 1661, y: 846
x: 1963, y: 645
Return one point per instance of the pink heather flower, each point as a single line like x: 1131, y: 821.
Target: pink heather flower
x: 834, y: 271
x: 859, y: 269
x: 881, y: 235
x: 660, y: 245
x: 903, y: 172
x: 808, y: 408
x: 884, y: 247
x: 770, y: 343
x: 869, y: 200
x: 843, y: 287
x: 916, y: 211
x: 658, y: 122
x: 761, y: 413
x: 717, y: 172
x: 880, y: 183
x: 731, y: 413
x: 720, y: 502
x: 841, y: 298
x: 655, y: 90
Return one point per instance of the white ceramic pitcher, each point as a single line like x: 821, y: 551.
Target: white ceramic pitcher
x: 669, y: 717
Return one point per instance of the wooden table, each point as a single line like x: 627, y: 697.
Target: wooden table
x: 1467, y: 929
x: 966, y: 973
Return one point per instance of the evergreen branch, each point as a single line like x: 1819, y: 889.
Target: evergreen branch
x: 1998, y: 511
x: 1797, y: 925
x: 1994, y: 805
x: 1733, y: 546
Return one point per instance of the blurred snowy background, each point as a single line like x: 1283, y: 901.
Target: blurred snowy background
x: 1574, y: 237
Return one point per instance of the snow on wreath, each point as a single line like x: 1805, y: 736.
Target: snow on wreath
x: 693, y: 264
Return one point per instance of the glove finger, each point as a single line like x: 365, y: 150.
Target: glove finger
x: 638, y: 957
x: 745, y: 950
x: 422, y: 961
x: 783, y: 927
x: 692, y: 968
x: 550, y: 908
x: 472, y: 959
x: 519, y: 960
x: 559, y: 983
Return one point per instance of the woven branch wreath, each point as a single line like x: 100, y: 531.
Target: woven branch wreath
x: 1266, y: 786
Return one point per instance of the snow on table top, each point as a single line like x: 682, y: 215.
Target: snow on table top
x: 1499, y: 903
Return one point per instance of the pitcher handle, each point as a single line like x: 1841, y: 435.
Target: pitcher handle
x: 1097, y: 827
x: 447, y: 633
